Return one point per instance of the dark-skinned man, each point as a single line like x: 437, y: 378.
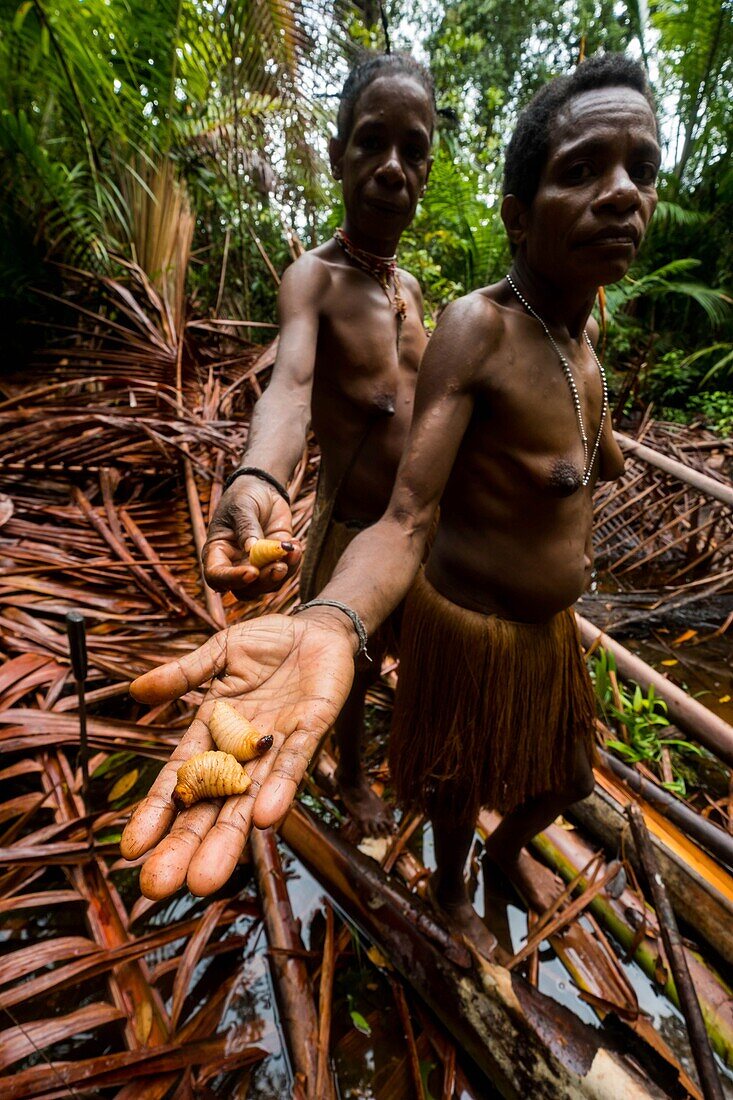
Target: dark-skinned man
x: 509, y: 435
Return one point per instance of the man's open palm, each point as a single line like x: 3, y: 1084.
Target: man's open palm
x: 290, y: 677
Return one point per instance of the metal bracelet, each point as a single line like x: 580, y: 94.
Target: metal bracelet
x: 350, y: 614
x: 255, y: 471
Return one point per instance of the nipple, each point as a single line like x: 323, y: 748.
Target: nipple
x: 565, y: 479
x: 384, y: 403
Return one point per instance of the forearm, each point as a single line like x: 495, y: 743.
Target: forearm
x: 377, y: 569
x: 277, y: 433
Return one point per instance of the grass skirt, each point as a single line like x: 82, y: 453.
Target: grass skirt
x: 488, y: 712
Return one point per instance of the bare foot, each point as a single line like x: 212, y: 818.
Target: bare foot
x: 537, y: 884
x: 463, y: 920
x: 371, y: 815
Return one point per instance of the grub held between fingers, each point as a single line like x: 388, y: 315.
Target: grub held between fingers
x: 266, y: 551
x: 235, y: 734
x: 209, y: 775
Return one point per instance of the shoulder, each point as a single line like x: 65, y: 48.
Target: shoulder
x: 409, y: 282
x: 473, y: 321
x: 469, y: 332
x: 310, y: 268
x: 304, y: 284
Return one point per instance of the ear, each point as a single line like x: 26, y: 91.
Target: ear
x: 336, y: 149
x: 515, y: 215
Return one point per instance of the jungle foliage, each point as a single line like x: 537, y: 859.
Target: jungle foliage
x: 118, y: 119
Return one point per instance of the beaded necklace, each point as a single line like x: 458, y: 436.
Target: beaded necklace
x: 381, y: 268
x: 587, y: 465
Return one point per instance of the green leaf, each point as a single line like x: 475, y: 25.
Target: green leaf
x: 360, y: 1023
x: 19, y: 17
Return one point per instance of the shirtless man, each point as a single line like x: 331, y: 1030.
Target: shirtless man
x: 510, y: 433
x: 347, y: 362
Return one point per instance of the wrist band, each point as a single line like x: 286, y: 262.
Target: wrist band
x: 254, y: 471
x: 350, y: 614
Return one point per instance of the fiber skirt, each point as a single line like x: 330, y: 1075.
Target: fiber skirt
x: 488, y: 712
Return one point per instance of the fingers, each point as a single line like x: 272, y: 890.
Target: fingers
x: 220, y: 850
x: 152, y: 818
x: 224, y: 568
x: 280, y: 787
x: 245, y: 581
x: 165, y: 870
x: 177, y: 677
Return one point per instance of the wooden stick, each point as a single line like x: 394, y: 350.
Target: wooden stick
x: 292, y: 983
x: 565, y: 917
x: 705, y: 832
x: 699, y: 1040
x: 325, y: 1005
x: 404, y: 1012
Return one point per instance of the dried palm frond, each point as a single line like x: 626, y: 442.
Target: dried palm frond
x: 652, y: 528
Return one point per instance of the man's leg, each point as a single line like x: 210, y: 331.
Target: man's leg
x: 448, y: 883
x: 506, y: 846
x: 371, y: 814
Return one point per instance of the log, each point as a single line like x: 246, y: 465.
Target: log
x: 701, y: 890
x: 524, y: 1042
x: 290, y: 975
x: 699, y: 1043
x: 685, y: 712
x: 704, y: 832
x: 567, y: 853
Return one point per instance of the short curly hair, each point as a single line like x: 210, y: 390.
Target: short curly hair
x: 368, y: 69
x: 527, y: 152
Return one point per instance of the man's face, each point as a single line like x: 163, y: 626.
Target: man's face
x: 597, y: 191
x: 385, y: 163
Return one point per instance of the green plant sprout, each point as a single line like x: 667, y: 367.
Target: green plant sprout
x: 639, y: 719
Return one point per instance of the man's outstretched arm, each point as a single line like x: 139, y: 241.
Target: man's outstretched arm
x: 291, y: 675
x: 251, y: 508
x: 288, y: 677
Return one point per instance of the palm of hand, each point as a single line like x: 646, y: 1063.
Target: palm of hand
x: 291, y: 678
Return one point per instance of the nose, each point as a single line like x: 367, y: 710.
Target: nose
x: 619, y: 192
x: 390, y: 171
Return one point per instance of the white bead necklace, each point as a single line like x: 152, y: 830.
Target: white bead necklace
x: 587, y: 465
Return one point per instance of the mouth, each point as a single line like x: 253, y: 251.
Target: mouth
x: 615, y: 236
x: 386, y: 207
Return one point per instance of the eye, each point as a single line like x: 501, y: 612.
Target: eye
x: 415, y: 153
x: 579, y: 172
x: 645, y: 173
x: 370, y: 143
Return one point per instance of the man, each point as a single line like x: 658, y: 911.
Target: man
x: 351, y: 340
x: 510, y: 432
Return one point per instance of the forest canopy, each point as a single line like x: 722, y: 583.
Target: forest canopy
x: 188, y: 140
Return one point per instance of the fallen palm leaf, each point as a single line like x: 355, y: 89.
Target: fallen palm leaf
x: 20, y: 1041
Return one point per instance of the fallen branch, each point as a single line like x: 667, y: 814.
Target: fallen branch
x: 689, y: 1003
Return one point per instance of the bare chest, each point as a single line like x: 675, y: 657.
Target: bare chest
x: 542, y: 420
x: 367, y: 357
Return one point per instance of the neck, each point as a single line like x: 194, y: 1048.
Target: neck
x: 560, y: 306
x: 379, y: 245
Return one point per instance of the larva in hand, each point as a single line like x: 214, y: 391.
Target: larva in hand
x: 209, y: 775
x: 266, y: 551
x: 234, y: 733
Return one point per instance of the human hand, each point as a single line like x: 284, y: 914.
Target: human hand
x: 249, y: 509
x: 290, y: 676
